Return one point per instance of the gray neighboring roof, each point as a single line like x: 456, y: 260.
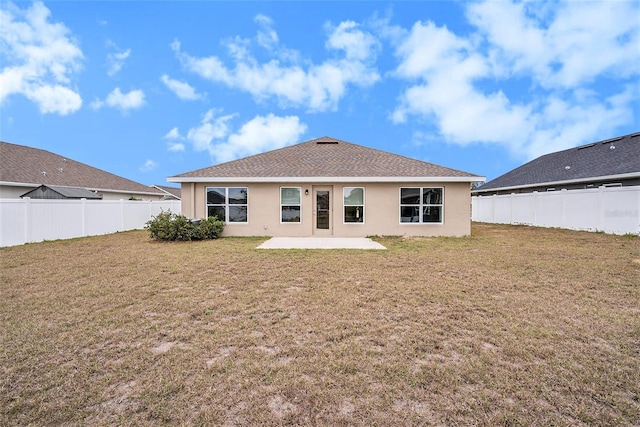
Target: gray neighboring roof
x: 68, y: 192
x: 324, y: 158
x: 170, y: 191
x: 27, y: 166
x: 614, y: 158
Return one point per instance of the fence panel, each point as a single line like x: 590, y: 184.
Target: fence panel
x: 612, y: 210
x: 26, y: 220
x: 12, y: 232
x: 620, y: 211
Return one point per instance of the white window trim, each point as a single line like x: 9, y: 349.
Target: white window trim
x: 364, y: 202
x: 226, y: 205
x: 289, y: 204
x: 422, y: 205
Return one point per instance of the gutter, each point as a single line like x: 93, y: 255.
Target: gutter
x: 552, y: 183
x: 324, y: 179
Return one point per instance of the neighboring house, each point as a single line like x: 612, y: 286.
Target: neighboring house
x: 170, y: 193
x: 326, y: 187
x: 23, y: 169
x: 57, y: 192
x: 613, y: 162
x: 594, y: 187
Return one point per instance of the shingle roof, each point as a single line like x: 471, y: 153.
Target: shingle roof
x: 324, y: 158
x: 612, y: 157
x: 26, y: 165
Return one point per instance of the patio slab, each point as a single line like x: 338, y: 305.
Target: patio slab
x: 321, y: 243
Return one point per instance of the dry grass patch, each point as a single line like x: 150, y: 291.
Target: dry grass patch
x: 511, y: 326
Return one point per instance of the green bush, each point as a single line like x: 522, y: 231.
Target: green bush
x: 170, y: 226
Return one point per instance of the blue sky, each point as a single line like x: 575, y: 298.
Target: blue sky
x: 148, y: 90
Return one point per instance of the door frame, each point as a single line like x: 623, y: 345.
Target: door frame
x: 315, y: 230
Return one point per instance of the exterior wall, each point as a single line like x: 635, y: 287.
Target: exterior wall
x: 13, y: 191
x: 381, y: 216
x: 610, y: 209
x: 108, y: 195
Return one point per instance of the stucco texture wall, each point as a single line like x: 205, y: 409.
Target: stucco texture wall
x: 381, y: 211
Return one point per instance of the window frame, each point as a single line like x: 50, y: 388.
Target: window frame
x: 421, y: 205
x: 227, y: 205
x: 299, y: 205
x: 344, y: 206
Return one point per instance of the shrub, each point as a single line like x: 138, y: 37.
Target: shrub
x: 170, y: 226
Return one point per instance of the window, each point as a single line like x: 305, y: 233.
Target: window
x: 290, y: 204
x: 353, y: 204
x: 422, y: 205
x: 229, y: 204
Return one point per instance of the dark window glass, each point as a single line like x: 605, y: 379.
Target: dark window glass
x: 432, y: 214
x: 238, y: 196
x: 291, y: 214
x: 353, y: 214
x: 216, y: 211
x: 432, y: 196
x: 237, y: 213
x: 409, y: 214
x: 409, y: 196
x: 215, y: 196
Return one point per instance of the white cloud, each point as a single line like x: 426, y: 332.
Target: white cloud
x: 262, y: 133
x: 357, y: 44
x: 456, y: 82
x: 123, y: 101
x: 566, y: 46
x: 267, y: 37
x: 54, y: 99
x: 115, y: 60
x: 181, y: 89
x: 38, y: 59
x: 292, y: 82
x: 148, y: 166
x: 174, y: 139
x: 211, y: 128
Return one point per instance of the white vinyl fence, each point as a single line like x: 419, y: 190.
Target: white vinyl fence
x: 613, y: 210
x: 34, y: 220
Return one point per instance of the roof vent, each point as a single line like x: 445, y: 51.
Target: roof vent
x: 567, y: 167
x: 43, y: 173
x: 612, y: 147
x: 326, y: 142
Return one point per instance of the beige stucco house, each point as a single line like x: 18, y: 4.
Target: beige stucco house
x: 330, y: 187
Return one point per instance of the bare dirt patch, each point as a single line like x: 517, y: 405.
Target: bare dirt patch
x: 511, y: 326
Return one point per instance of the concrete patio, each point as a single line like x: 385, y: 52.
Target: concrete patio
x: 321, y: 243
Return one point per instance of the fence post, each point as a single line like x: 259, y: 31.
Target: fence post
x: 602, y: 215
x: 27, y: 219
x: 121, y: 214
x: 83, y: 207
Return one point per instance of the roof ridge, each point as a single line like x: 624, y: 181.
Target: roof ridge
x: 339, y: 159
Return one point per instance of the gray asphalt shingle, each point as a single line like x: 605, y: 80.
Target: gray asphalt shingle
x: 325, y: 157
x: 28, y: 165
x: 616, y: 156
